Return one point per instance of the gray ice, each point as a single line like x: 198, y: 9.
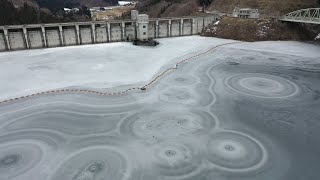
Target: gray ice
x: 248, y: 111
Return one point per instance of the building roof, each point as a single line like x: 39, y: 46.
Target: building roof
x: 122, y: 3
x: 245, y: 8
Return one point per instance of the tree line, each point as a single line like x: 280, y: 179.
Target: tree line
x: 10, y: 15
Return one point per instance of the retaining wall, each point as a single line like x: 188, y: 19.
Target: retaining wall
x: 17, y: 37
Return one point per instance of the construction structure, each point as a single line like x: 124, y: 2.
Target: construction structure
x: 143, y: 27
x: 18, y: 37
x: 246, y: 13
x: 134, y: 14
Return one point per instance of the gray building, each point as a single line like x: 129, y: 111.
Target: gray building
x: 143, y: 27
x: 134, y: 14
x: 246, y: 13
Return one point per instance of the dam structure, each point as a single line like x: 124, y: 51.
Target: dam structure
x: 34, y: 36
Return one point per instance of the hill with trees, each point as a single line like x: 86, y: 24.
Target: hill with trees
x: 266, y: 7
x: 54, y: 4
x: 46, y: 11
x: 26, y: 14
x: 162, y: 8
x: 58, y: 4
x: 267, y: 27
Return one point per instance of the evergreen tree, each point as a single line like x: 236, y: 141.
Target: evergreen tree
x: 28, y: 15
x: 205, y: 2
x: 84, y: 10
x: 8, y: 13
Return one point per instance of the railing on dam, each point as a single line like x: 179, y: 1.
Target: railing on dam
x: 32, y: 36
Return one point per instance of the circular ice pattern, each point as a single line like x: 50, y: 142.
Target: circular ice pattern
x: 9, y: 160
x: 69, y: 122
x: 181, y: 80
x: 175, y: 160
x: 261, y: 85
x: 17, y: 158
x: 236, y: 152
x: 167, y: 124
x: 179, y: 96
x: 92, y: 163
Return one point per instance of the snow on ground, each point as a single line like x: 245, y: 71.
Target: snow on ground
x: 111, y: 65
x: 100, y: 66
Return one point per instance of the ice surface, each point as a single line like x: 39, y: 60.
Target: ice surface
x: 247, y: 111
x: 101, y: 66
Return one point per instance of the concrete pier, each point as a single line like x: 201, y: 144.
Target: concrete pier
x: 7, y: 42
x: 25, y: 33
x: 78, y: 34
x: 109, y: 32
x: 157, y: 28
x: 61, y: 36
x: 93, y: 32
x: 44, y: 39
x: 181, y: 27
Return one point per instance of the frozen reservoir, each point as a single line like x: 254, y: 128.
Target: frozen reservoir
x: 211, y: 109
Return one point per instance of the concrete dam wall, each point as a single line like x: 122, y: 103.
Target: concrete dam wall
x: 19, y: 37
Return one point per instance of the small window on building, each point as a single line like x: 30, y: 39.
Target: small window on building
x: 144, y: 26
x: 144, y: 33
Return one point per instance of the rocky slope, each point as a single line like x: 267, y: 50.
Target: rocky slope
x: 266, y: 28
x: 260, y: 30
x: 162, y: 8
x: 168, y: 8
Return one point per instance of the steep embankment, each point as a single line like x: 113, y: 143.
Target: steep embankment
x: 257, y: 30
x: 162, y: 8
x: 266, y: 28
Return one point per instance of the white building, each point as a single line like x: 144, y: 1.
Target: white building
x: 68, y: 10
x: 246, y: 13
x: 126, y: 3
